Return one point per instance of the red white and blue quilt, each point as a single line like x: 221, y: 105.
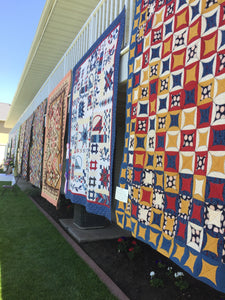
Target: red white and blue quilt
x: 172, y: 184
x: 92, y: 122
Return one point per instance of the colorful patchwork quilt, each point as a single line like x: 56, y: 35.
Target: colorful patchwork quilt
x: 26, y: 147
x: 92, y: 122
x: 54, y: 140
x: 37, y: 144
x: 172, y: 184
x: 20, y: 149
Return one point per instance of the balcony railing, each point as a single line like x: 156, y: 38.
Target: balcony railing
x: 103, y: 15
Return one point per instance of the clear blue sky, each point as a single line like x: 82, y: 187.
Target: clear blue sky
x: 18, y: 23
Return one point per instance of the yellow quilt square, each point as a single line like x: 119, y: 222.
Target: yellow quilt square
x: 189, y: 117
x: 216, y: 164
x: 202, y: 139
x: 138, y: 63
x: 172, y: 141
x: 187, y: 162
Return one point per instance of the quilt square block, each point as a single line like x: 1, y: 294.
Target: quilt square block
x: 176, y: 100
x: 171, y: 161
x: 185, y: 205
x: 195, y: 236
x: 186, y: 184
x: 214, y: 218
x: 201, y: 163
x: 171, y: 203
x: 188, y: 140
x: 197, y: 212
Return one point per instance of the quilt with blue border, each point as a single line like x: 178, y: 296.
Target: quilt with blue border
x: 173, y: 168
x: 92, y: 122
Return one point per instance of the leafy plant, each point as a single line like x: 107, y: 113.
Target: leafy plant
x: 180, y: 281
x: 129, y: 247
x: 154, y: 281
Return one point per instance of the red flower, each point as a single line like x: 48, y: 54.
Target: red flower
x: 120, y: 240
x: 134, y: 243
x: 131, y: 249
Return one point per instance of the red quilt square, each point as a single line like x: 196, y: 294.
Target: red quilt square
x: 222, y: 15
x: 145, y: 60
x: 220, y: 63
x: 176, y: 100
x: 146, y: 196
x: 181, y: 229
x: 188, y: 140
x: 204, y: 114
x: 141, y: 125
x: 170, y: 9
x: 134, y: 210
x: 217, y: 138
x: 170, y: 202
x: 137, y: 176
x: 197, y: 212
x: 133, y: 110
x: 157, y: 35
x: 201, y: 159
x: 216, y: 190
x: 186, y: 184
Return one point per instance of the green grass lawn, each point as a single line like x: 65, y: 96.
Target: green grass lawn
x: 35, y: 261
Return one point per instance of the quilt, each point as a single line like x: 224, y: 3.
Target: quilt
x: 92, y: 122
x: 37, y: 145
x: 172, y: 184
x: 26, y: 147
x: 54, y: 140
x: 20, y: 149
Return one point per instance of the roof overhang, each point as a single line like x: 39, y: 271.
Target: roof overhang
x: 60, y: 22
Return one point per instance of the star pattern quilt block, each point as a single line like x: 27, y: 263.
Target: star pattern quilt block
x: 174, y: 160
x: 92, y: 122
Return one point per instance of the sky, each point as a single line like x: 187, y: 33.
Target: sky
x: 18, y: 23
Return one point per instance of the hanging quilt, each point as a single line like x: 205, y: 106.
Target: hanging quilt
x: 92, y: 122
x: 26, y: 147
x: 20, y: 150
x: 172, y: 185
x: 54, y: 140
x: 37, y: 144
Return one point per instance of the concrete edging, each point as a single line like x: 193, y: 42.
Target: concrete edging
x: 114, y: 289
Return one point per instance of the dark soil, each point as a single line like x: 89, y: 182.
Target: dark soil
x: 132, y: 274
